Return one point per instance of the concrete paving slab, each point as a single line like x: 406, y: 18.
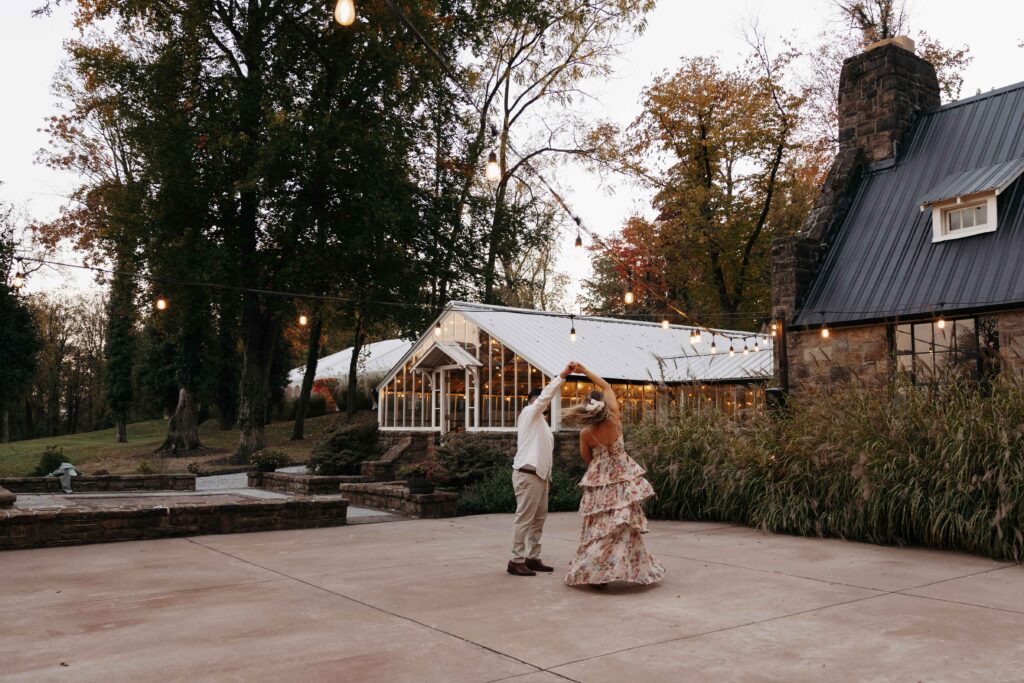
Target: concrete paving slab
x: 856, y: 564
x: 540, y: 620
x: 42, y: 577
x: 279, y: 631
x: 999, y: 589
x: 886, y: 638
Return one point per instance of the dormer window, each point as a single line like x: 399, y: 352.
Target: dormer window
x: 954, y: 220
x: 966, y: 203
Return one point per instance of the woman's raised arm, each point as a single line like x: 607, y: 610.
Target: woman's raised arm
x: 600, y: 383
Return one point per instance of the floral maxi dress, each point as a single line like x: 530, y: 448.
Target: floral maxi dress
x: 611, y: 546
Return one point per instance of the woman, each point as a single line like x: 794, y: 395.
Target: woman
x: 611, y: 547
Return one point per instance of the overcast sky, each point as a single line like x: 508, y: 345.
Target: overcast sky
x: 31, y: 49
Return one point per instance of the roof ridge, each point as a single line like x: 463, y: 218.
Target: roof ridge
x: 995, y: 92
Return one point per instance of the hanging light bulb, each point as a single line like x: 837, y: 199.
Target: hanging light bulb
x: 493, y: 170
x: 746, y: 349
x: 345, y: 12
x: 756, y: 347
x: 824, y: 332
x: 19, y: 277
x: 579, y: 240
x: 664, y: 324
x: 629, y: 298
x: 714, y: 349
x: 732, y: 349
x: 941, y: 323
x: 161, y: 303
x: 303, y: 320
x: 775, y: 328
x: 694, y: 338
x: 437, y: 329
x: 572, y: 330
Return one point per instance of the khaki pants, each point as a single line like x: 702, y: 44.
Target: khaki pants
x: 531, y: 511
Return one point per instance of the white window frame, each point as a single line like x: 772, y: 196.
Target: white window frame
x: 940, y: 233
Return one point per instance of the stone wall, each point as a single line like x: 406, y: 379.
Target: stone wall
x: 109, y: 482
x: 817, y: 364
x: 300, y: 484
x: 1011, y: 343
x: 566, y: 455
x: 395, y: 496
x: 75, y: 526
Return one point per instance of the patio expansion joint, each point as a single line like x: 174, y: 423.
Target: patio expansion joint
x: 780, y: 617
x: 537, y: 669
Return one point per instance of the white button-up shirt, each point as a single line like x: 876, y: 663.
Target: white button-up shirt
x: 535, y: 442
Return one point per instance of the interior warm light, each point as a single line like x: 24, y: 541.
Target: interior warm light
x: 345, y: 12
x: 493, y: 170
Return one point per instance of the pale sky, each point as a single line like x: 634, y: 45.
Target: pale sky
x: 31, y: 49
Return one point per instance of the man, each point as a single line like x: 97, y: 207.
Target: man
x: 531, y: 478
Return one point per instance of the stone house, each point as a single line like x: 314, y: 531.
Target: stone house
x: 912, y: 258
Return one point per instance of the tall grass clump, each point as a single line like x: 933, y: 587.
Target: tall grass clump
x: 939, y: 467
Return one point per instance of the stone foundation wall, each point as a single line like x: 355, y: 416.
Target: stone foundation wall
x: 300, y: 484
x: 110, y: 482
x: 566, y: 455
x: 394, y: 496
x: 816, y: 363
x: 75, y: 526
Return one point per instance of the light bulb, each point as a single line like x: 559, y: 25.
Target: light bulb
x: 746, y: 349
x: 756, y: 347
x: 492, y: 171
x: 19, y: 280
x: 303, y: 320
x: 714, y: 349
x: 629, y: 298
x: 579, y: 241
x: 664, y: 324
x: 941, y: 323
x: 161, y: 303
x: 824, y: 333
x: 775, y: 329
x: 572, y: 335
x: 437, y: 329
x: 695, y: 338
x: 732, y: 350
x: 345, y: 12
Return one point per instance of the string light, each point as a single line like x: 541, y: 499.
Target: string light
x: 579, y: 240
x: 572, y: 330
x: 714, y: 349
x: 19, y: 276
x: 664, y: 324
x: 824, y: 327
x: 437, y: 329
x: 941, y: 323
x: 303, y: 320
x: 756, y: 347
x: 732, y: 349
x: 746, y: 349
x: 345, y: 12
x: 629, y: 298
x: 694, y: 338
x: 161, y: 303
x: 775, y: 328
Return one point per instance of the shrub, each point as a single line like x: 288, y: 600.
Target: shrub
x: 340, y: 393
x: 344, y: 447
x: 268, y: 459
x: 51, y: 459
x: 145, y: 467
x: 494, y: 493
x: 904, y: 465
x: 468, y: 459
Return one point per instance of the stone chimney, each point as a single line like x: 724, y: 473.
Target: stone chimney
x: 882, y: 91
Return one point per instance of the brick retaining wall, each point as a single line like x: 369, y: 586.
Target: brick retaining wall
x: 300, y: 484
x: 108, y: 482
x: 75, y: 526
x: 394, y: 496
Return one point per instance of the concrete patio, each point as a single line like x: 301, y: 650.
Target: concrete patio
x: 428, y: 600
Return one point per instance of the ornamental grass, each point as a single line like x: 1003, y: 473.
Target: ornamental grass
x: 941, y: 467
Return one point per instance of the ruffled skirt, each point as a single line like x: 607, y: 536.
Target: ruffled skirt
x: 611, y: 542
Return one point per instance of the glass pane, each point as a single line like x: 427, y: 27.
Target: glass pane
x: 904, y: 339
x: 944, y: 336
x: 923, y: 337
x: 954, y: 220
x: 967, y: 218
x: 981, y: 214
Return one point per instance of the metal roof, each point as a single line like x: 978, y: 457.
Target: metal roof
x: 374, y: 358
x: 882, y: 263
x: 446, y: 353
x: 985, y: 179
x: 620, y: 349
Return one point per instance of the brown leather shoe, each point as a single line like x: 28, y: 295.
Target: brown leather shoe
x: 520, y: 569
x: 538, y: 566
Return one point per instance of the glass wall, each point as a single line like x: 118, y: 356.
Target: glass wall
x: 506, y: 380
x: 639, y: 402
x: 933, y: 354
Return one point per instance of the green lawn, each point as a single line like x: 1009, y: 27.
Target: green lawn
x: 97, y: 450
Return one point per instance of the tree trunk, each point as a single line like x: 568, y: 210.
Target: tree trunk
x: 121, y: 428
x: 312, y: 358
x: 6, y: 427
x: 183, y: 427
x: 254, y: 394
x: 353, y: 369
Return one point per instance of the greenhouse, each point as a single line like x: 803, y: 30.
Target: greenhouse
x: 474, y: 368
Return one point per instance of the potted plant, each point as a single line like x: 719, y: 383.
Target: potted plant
x: 268, y: 460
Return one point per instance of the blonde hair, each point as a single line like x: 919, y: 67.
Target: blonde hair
x: 587, y: 413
